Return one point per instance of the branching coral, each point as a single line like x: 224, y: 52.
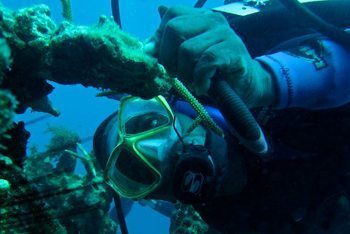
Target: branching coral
x: 203, y: 116
x: 62, y: 139
x: 67, y: 10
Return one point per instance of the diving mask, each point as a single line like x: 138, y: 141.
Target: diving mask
x: 145, y: 137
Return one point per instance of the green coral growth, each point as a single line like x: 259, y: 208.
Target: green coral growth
x: 27, y: 33
x: 187, y: 220
x: 7, y: 111
x: 102, y: 56
x: 34, y: 25
x: 67, y: 10
x: 21, y: 208
x: 8, y: 103
x: 203, y: 117
x: 4, y: 186
x: 62, y: 138
x: 5, y: 54
x: 79, y: 203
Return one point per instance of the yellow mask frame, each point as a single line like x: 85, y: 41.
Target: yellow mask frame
x: 126, y: 154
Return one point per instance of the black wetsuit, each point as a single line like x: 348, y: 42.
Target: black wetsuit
x: 303, y: 189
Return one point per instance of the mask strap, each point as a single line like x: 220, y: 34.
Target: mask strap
x: 177, y: 132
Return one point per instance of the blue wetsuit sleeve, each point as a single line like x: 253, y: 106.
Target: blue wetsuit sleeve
x: 311, y: 77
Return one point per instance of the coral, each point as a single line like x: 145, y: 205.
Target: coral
x: 27, y: 33
x: 203, y: 116
x: 8, y: 103
x: 16, y: 143
x: 5, y: 54
x: 7, y: 108
x: 62, y: 139
x: 67, y: 10
x: 186, y: 220
x: 34, y: 26
x: 102, y: 56
x: 22, y: 209
x: 83, y: 200
x: 4, y: 186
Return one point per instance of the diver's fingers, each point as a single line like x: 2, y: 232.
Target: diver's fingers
x: 151, y: 46
x: 213, y: 59
x: 168, y: 14
x: 191, y: 50
x: 180, y: 29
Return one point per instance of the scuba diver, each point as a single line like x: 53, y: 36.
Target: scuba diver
x: 299, y: 93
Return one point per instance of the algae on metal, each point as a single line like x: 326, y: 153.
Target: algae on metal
x: 20, y: 210
x: 47, y: 196
x: 79, y: 202
x: 8, y: 103
x: 101, y: 56
x: 26, y: 38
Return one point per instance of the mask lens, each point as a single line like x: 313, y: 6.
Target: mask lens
x: 134, y: 169
x: 138, y: 115
x: 130, y: 176
x: 145, y: 122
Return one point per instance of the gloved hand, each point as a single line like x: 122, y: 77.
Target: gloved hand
x: 194, y: 43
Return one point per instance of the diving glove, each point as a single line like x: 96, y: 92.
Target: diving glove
x: 194, y: 44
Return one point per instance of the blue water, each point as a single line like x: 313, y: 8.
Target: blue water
x: 80, y: 110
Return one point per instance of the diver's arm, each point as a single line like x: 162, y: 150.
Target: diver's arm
x: 195, y: 44
x: 311, y: 77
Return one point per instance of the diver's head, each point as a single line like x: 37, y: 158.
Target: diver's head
x: 154, y: 158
